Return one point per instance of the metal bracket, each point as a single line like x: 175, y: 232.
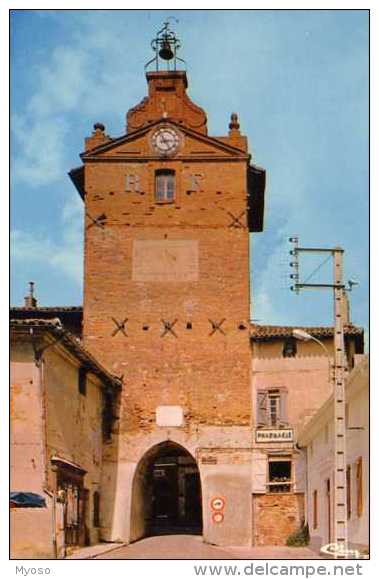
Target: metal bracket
x: 217, y: 326
x: 168, y: 327
x: 236, y: 220
x: 98, y: 221
x: 120, y: 327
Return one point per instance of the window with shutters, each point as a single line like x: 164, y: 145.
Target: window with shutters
x: 279, y: 475
x: 272, y: 408
x: 164, y: 186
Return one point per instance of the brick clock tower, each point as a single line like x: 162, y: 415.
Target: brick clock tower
x: 168, y: 211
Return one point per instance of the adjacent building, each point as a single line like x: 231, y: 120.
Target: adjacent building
x: 291, y: 379
x: 62, y: 411
x: 317, y: 441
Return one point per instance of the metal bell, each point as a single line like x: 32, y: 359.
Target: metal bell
x: 165, y: 52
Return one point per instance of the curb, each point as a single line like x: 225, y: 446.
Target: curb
x: 87, y: 555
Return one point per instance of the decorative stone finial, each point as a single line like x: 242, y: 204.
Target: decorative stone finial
x: 99, y: 127
x: 234, y: 124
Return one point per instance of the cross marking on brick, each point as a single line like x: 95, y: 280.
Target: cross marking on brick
x: 236, y: 220
x: 98, y: 221
x: 168, y: 327
x: 217, y: 326
x: 120, y: 327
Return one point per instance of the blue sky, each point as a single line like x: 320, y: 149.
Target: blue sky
x: 298, y: 80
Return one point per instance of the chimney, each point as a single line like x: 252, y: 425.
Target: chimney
x: 30, y: 301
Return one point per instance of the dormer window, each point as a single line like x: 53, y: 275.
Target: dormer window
x: 164, y: 186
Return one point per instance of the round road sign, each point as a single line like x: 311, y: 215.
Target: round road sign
x: 217, y: 517
x: 217, y: 503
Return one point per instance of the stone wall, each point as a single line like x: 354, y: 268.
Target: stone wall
x: 276, y: 516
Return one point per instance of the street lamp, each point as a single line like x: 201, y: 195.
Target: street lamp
x: 305, y: 337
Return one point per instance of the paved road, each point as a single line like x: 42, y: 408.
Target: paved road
x: 192, y: 547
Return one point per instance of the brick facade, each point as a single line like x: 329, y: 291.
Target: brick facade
x: 276, y: 516
x: 208, y: 375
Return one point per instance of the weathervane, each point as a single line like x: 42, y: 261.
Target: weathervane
x: 165, y: 46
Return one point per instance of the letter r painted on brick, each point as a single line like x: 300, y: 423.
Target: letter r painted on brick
x: 133, y: 183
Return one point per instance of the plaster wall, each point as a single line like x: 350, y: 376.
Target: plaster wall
x: 305, y: 376
x: 319, y: 443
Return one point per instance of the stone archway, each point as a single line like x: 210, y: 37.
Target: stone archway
x: 166, y: 493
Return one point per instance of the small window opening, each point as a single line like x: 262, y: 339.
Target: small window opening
x: 164, y: 186
x: 279, y: 473
x: 242, y: 326
x: 145, y: 327
x: 82, y: 381
x: 189, y: 325
x: 289, y: 347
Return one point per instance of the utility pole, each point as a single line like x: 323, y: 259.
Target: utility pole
x: 338, y: 379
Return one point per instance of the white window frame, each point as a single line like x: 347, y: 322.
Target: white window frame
x: 290, y: 482
x: 165, y: 184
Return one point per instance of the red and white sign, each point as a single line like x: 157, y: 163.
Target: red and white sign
x: 217, y: 503
x: 217, y: 517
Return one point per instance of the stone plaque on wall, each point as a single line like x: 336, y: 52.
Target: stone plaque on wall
x: 169, y: 415
x: 165, y: 260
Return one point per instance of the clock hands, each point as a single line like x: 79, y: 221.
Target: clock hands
x: 165, y: 140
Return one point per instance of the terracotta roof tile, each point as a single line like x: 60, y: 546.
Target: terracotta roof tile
x: 258, y: 332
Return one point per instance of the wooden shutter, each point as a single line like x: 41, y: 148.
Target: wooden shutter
x: 261, y: 408
x: 283, y: 419
x: 315, y: 510
x: 359, y: 487
x: 348, y: 491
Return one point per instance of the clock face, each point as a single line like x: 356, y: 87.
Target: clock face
x: 165, y: 141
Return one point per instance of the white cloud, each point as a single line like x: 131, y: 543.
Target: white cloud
x: 65, y: 256
x: 80, y: 79
x: 40, y: 150
x: 61, y: 82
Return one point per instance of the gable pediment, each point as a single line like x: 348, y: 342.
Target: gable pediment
x: 138, y: 145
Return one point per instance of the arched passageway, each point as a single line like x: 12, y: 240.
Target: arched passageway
x: 166, y: 496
